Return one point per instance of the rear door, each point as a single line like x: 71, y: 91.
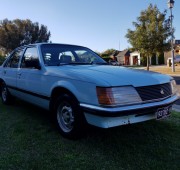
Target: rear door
x: 10, y: 69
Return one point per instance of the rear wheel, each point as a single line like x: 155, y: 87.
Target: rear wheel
x: 69, y: 117
x: 5, y: 94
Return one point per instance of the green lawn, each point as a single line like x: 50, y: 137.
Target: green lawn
x: 29, y: 140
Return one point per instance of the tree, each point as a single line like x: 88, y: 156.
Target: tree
x: 20, y: 32
x: 151, y: 33
x: 107, y: 53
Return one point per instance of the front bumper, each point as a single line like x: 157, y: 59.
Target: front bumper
x: 106, y: 117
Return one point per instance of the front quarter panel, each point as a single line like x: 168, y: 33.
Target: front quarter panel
x: 85, y: 92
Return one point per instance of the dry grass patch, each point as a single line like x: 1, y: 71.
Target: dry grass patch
x: 166, y: 70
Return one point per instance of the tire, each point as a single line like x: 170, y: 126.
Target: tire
x: 5, y: 95
x: 69, y: 117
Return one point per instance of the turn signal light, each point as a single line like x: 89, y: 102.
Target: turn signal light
x: 105, y: 96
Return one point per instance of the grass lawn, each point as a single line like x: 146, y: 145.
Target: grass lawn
x: 28, y: 140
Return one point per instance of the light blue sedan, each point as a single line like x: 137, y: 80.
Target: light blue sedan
x: 79, y: 87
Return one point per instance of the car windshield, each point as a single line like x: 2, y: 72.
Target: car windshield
x: 57, y: 54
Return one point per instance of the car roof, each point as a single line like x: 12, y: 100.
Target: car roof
x: 39, y: 44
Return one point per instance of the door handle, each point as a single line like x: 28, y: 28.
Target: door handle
x: 19, y: 75
x: 4, y: 71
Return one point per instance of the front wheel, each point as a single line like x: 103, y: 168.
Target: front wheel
x: 69, y: 117
x: 5, y: 94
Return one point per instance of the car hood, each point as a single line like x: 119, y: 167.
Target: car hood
x: 110, y: 75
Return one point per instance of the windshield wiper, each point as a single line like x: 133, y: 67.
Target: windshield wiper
x: 77, y: 63
x: 81, y: 63
x: 98, y: 63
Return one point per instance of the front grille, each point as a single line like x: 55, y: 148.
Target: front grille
x: 154, y: 92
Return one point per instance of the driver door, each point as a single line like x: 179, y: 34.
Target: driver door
x: 29, y: 76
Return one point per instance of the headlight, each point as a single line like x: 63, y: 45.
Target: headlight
x: 174, y: 87
x: 116, y: 96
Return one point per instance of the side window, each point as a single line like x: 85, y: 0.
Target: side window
x: 30, y: 59
x: 66, y: 56
x: 85, y: 56
x: 14, y: 59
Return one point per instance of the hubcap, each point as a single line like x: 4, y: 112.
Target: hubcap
x: 65, y: 117
x: 4, y: 93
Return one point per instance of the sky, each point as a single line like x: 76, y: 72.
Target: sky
x: 96, y: 24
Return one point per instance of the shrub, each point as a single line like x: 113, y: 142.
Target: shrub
x: 2, y: 58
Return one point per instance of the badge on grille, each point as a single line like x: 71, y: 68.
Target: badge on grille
x: 162, y: 91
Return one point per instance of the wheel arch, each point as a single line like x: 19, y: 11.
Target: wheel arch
x: 58, y: 91
x: 1, y: 81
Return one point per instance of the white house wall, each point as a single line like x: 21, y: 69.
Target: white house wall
x: 132, y: 55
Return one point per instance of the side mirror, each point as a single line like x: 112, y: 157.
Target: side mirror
x: 38, y: 66
x: 33, y: 63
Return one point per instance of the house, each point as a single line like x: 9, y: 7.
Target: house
x: 125, y: 57
x: 135, y: 58
x: 176, y: 51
